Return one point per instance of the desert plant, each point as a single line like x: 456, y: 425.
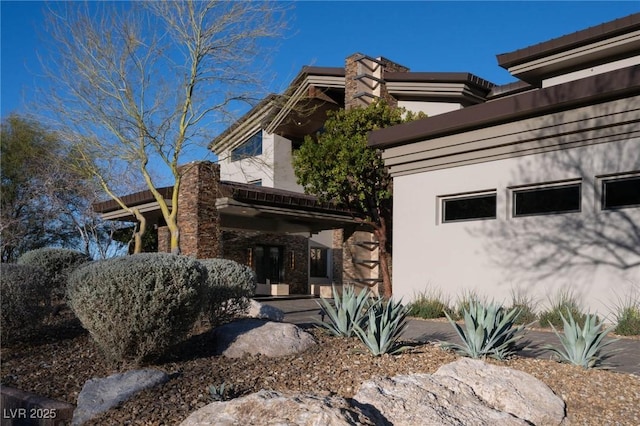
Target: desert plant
x: 526, y: 305
x: 135, y: 307
x: 24, y: 300
x: 223, y: 392
x: 387, y: 320
x: 488, y: 331
x: 562, y: 301
x: 626, y: 312
x: 57, y: 264
x: 345, y: 311
x: 429, y: 304
x: 464, y: 301
x: 230, y: 285
x: 582, y: 345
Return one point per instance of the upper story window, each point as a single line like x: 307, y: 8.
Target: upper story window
x: 621, y: 191
x: 469, y: 207
x: 250, y: 148
x: 547, y: 199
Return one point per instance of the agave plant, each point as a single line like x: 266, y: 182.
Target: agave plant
x: 223, y: 392
x: 582, y: 345
x: 488, y: 331
x: 386, y: 322
x: 345, y: 311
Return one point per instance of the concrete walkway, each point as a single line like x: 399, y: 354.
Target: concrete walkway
x: 302, y: 311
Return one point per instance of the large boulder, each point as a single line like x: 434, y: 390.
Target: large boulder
x: 255, y: 336
x: 99, y: 395
x: 468, y: 392
x: 274, y: 408
x: 509, y: 390
x: 262, y: 311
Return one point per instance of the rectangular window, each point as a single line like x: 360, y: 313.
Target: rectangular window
x: 318, y: 262
x: 471, y: 207
x: 620, y: 192
x: 257, y: 182
x: 547, y: 200
x: 250, y: 148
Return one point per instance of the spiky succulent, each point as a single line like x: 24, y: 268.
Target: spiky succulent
x: 345, y: 311
x: 488, y: 331
x: 386, y: 322
x: 582, y: 345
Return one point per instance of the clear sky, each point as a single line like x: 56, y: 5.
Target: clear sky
x: 422, y: 35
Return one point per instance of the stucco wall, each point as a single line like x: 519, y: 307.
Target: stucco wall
x: 430, y: 108
x: 539, y: 256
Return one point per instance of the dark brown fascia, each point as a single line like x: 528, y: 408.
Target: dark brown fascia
x: 242, y: 192
x: 440, y: 77
x: 509, y: 89
x: 587, y: 91
x: 570, y: 41
x: 132, y: 200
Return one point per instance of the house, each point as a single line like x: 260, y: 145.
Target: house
x: 248, y: 207
x: 535, y: 192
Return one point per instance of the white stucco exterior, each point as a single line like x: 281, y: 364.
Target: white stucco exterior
x: 527, y: 255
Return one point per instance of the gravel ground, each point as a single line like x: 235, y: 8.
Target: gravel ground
x: 65, y: 357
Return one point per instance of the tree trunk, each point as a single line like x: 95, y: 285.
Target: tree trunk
x: 380, y: 233
x: 137, y: 235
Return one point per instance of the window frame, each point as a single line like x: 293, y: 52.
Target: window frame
x: 324, y: 256
x: 249, y: 148
x: 514, y: 190
x: 601, y: 187
x: 444, y: 199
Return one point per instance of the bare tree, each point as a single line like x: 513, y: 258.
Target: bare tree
x: 137, y: 84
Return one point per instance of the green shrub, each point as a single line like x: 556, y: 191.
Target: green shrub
x: 386, y: 320
x: 24, y: 300
x: 57, y: 264
x: 431, y: 304
x: 488, y: 331
x: 137, y: 306
x: 230, y: 285
x: 526, y: 306
x: 345, y: 311
x: 562, y: 301
x: 626, y: 314
x: 582, y: 345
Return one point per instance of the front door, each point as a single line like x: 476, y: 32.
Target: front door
x: 268, y: 262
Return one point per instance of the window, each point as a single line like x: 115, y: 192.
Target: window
x: 250, y: 148
x: 541, y: 200
x: 318, y: 262
x: 620, y: 192
x: 257, y: 182
x: 471, y: 207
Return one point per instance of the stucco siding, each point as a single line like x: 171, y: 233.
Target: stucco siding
x: 593, y: 253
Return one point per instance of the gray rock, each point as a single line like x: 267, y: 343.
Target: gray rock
x: 259, y: 310
x: 508, y: 390
x: 423, y: 399
x: 254, y: 336
x: 273, y: 408
x: 99, y: 395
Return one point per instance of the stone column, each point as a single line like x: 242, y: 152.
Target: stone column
x: 198, y: 219
x: 364, y: 80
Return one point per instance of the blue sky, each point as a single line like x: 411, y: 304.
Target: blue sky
x: 422, y: 35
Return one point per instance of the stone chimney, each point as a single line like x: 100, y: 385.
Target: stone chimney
x: 364, y: 79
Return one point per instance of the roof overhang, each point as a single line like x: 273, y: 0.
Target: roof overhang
x: 584, y: 49
x: 464, y: 88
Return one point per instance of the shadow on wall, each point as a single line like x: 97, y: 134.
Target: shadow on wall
x: 570, y: 245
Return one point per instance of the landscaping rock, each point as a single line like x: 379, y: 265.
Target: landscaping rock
x: 466, y: 391
x: 99, y: 395
x: 508, y: 390
x: 423, y: 399
x: 255, y: 336
x: 259, y: 310
x: 274, y: 408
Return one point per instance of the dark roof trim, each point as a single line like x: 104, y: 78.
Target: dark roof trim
x: 591, y: 90
x: 325, y: 71
x: 132, y: 200
x: 439, y: 77
x: 242, y: 192
x: 509, y: 89
x: 570, y: 41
